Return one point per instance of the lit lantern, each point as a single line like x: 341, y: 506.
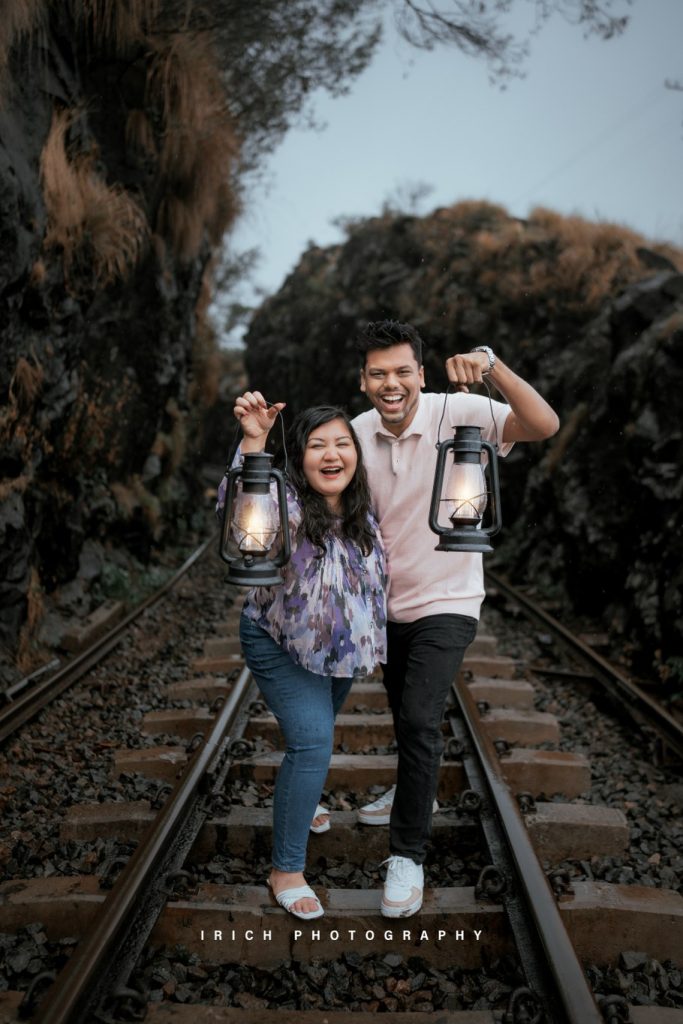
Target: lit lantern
x: 254, y: 520
x: 464, y: 495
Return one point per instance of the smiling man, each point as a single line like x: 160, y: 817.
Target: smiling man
x: 434, y: 597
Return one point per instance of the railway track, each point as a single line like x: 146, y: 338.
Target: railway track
x: 626, y: 696
x: 513, y: 807
x: 24, y: 701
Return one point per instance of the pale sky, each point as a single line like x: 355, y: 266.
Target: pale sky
x: 590, y: 130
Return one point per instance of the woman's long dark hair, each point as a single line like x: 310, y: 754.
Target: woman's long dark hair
x: 318, y: 521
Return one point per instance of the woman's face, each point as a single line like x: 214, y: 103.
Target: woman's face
x: 330, y: 460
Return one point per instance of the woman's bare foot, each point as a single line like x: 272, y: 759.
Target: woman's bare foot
x: 321, y: 819
x: 280, y: 880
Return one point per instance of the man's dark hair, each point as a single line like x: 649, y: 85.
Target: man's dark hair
x: 384, y: 334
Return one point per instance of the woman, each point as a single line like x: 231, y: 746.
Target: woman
x: 305, y: 640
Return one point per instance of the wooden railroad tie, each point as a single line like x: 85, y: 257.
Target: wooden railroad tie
x: 602, y: 919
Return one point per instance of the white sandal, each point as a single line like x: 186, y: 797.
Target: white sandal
x: 288, y: 897
x: 325, y: 827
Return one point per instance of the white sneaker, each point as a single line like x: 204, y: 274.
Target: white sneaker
x: 379, y: 812
x: 403, y: 887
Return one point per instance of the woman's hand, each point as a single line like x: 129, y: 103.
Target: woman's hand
x: 256, y: 418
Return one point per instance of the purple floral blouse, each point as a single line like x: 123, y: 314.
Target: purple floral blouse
x: 330, y: 612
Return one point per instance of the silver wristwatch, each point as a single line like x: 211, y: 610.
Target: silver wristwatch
x: 489, y: 353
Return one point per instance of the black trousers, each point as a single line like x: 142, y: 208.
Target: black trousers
x: 423, y: 659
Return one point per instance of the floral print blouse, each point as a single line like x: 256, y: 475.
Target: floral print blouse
x: 329, y: 614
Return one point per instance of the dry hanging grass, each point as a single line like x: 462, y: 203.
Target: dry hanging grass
x: 26, y: 383
x: 99, y: 227
x: 24, y: 388
x: 198, y: 147
x: 672, y: 325
x: 585, y: 261
x: 206, y: 359
x: 475, y: 214
x: 13, y: 485
x: 181, y: 223
x: 28, y: 657
x: 115, y: 24
x: 18, y: 18
x: 171, y: 447
x: 140, y: 141
x: 567, y: 262
x: 132, y: 497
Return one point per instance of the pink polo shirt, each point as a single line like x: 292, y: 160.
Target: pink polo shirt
x: 400, y: 469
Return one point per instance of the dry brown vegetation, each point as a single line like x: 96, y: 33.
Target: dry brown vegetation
x: 115, y: 24
x: 170, y: 447
x: 181, y: 129
x: 566, y: 262
x: 24, y: 388
x: 206, y: 359
x: 672, y: 325
x: 93, y: 433
x: 475, y: 214
x: 198, y: 145
x: 133, y: 497
x: 140, y: 141
x: 18, y: 19
x: 38, y: 273
x: 13, y: 485
x: 588, y: 261
x: 26, y: 383
x: 99, y: 228
x: 18, y: 424
x: 28, y: 657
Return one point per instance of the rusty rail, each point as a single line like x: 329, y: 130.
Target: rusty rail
x: 29, y: 703
x: 546, y: 952
x: 129, y: 913
x: 640, y: 707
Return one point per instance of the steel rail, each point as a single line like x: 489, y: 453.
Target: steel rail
x: 642, y: 709
x: 17, y: 712
x: 91, y: 970
x: 573, y: 992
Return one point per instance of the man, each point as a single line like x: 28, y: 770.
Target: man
x: 434, y: 597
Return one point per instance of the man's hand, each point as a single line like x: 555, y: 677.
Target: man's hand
x: 530, y: 418
x: 256, y: 417
x: 467, y: 368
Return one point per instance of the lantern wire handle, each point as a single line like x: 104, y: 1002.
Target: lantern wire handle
x: 236, y: 441
x: 282, y: 428
x: 443, y: 413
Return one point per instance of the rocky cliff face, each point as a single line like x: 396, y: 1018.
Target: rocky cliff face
x: 115, y: 160
x: 590, y: 315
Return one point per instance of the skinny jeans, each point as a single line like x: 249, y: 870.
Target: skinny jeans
x: 423, y: 659
x: 305, y: 705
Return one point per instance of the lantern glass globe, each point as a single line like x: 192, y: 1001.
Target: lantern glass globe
x: 465, y: 497
x: 255, y: 522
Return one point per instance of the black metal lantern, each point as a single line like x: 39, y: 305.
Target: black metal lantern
x: 464, y: 496
x: 253, y: 522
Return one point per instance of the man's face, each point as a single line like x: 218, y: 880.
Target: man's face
x: 392, y: 380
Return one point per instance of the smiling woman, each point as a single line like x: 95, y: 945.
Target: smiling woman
x: 330, y: 461
x: 304, y: 641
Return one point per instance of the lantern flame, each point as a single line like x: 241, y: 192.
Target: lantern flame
x: 466, y: 494
x: 255, y: 523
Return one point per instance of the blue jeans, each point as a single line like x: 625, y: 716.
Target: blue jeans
x: 305, y: 705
